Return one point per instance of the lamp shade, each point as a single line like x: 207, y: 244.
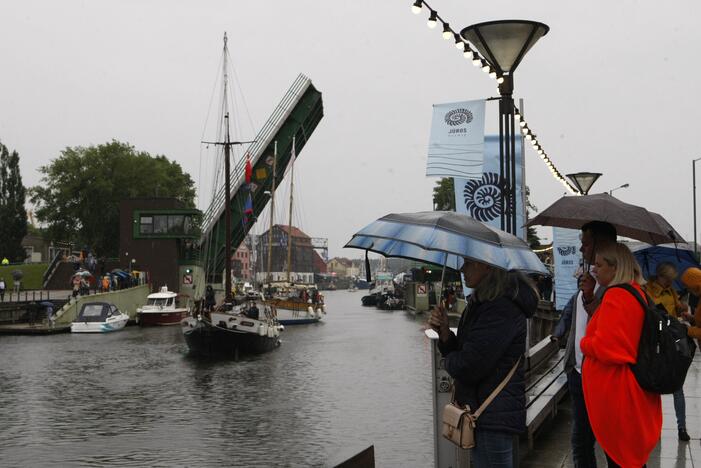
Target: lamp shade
x: 584, y: 180
x: 504, y: 43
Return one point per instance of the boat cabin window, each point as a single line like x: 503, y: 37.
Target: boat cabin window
x: 160, y: 302
x: 93, y: 313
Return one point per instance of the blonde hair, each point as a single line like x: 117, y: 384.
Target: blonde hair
x: 619, y: 256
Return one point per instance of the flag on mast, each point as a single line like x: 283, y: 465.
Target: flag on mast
x: 249, y: 169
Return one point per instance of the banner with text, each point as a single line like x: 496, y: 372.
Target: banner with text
x: 481, y: 198
x: 456, y: 146
x: 566, y: 259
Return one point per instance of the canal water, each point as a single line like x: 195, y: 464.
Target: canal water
x: 135, y: 397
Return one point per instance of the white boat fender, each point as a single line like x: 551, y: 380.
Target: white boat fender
x: 261, y: 330
x: 310, y: 310
x: 280, y: 327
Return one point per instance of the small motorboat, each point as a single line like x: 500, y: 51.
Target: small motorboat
x: 161, y: 308
x: 99, y: 317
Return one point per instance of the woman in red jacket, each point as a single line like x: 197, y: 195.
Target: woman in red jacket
x: 626, y: 420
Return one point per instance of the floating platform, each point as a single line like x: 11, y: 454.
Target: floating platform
x: 36, y: 329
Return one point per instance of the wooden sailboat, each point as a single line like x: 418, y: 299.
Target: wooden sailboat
x: 295, y: 304
x: 230, y: 330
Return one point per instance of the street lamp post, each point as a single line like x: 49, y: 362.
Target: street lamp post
x: 503, y: 45
x: 584, y: 180
x: 693, y: 171
x: 617, y: 188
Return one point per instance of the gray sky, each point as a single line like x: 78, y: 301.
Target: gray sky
x: 611, y: 88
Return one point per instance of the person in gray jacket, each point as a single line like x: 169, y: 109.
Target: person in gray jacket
x: 595, y: 235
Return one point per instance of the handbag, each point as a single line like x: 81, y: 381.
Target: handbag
x: 459, y: 422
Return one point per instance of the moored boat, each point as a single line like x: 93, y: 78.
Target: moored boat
x: 99, y: 317
x: 232, y: 333
x: 162, y: 308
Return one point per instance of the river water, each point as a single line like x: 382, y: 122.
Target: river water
x: 135, y: 397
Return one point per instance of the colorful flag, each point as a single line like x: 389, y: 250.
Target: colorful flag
x: 269, y: 160
x: 252, y: 187
x: 248, y: 206
x: 249, y: 169
x: 261, y: 173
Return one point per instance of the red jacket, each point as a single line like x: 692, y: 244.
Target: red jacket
x: 626, y: 420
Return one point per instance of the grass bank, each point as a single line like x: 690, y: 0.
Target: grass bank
x: 33, y: 274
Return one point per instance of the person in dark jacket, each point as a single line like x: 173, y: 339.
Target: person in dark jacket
x: 491, y: 338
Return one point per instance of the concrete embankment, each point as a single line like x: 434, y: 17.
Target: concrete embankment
x: 126, y: 300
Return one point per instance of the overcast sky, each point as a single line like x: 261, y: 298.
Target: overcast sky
x: 611, y: 89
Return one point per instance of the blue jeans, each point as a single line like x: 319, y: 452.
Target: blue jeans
x: 583, y: 439
x: 680, y: 408
x: 493, y: 450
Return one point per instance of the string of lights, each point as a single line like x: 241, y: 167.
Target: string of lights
x: 478, y: 61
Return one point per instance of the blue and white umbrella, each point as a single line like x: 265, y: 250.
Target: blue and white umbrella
x: 445, y: 238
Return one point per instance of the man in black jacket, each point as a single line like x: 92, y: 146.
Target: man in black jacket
x: 595, y: 235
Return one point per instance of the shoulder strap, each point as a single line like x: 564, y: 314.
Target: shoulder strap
x: 496, y: 391
x: 634, y: 292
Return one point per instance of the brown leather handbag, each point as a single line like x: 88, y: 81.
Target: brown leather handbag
x: 459, y: 422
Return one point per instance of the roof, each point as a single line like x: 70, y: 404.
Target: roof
x: 295, y: 232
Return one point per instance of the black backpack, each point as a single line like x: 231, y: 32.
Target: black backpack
x: 665, y: 350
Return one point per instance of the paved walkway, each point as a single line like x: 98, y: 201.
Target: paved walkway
x: 552, y: 447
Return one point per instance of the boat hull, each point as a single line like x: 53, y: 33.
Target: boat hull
x: 148, y: 319
x: 99, y: 327
x: 299, y: 317
x: 209, y: 340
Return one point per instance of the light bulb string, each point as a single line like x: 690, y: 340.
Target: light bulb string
x: 480, y: 61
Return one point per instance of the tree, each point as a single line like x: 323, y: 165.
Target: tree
x: 444, y: 195
x: 531, y: 234
x: 80, y: 192
x: 13, y: 216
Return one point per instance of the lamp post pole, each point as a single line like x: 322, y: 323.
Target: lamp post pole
x: 693, y: 172
x: 503, y: 45
x: 614, y: 189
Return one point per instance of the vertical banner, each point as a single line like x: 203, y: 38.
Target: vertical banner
x: 456, y: 146
x: 481, y: 198
x: 566, y: 259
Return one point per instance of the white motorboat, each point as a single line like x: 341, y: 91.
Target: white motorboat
x: 161, y: 308
x: 99, y: 317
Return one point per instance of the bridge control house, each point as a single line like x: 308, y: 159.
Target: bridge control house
x: 157, y: 235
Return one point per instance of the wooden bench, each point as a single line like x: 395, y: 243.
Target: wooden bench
x: 546, y: 385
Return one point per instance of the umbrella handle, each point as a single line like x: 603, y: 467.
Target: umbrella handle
x: 445, y: 262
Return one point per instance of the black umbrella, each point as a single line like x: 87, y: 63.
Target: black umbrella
x: 629, y: 220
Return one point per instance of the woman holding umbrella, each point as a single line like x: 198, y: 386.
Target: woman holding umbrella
x: 490, y: 341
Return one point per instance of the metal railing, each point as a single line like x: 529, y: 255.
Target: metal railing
x: 256, y: 149
x: 51, y: 268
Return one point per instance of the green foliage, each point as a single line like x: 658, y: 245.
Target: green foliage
x: 444, y: 195
x: 531, y: 233
x: 80, y: 192
x: 33, y: 275
x: 13, y: 216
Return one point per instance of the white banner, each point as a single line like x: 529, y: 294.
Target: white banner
x: 481, y: 198
x: 457, y: 140
x: 566, y: 259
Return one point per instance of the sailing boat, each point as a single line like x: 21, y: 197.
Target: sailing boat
x: 295, y: 304
x: 228, y: 329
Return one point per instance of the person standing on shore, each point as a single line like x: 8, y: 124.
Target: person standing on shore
x: 2, y: 289
x: 595, y: 235
x: 661, y: 290
x: 625, y: 418
x: 491, y: 340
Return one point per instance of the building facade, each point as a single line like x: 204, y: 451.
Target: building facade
x: 305, y: 261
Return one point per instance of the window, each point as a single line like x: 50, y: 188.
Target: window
x: 176, y: 224
x: 160, y: 224
x: 146, y: 225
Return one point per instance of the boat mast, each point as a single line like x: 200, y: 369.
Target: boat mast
x: 227, y: 183
x: 289, y: 223
x: 272, y: 215
x: 227, y: 144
